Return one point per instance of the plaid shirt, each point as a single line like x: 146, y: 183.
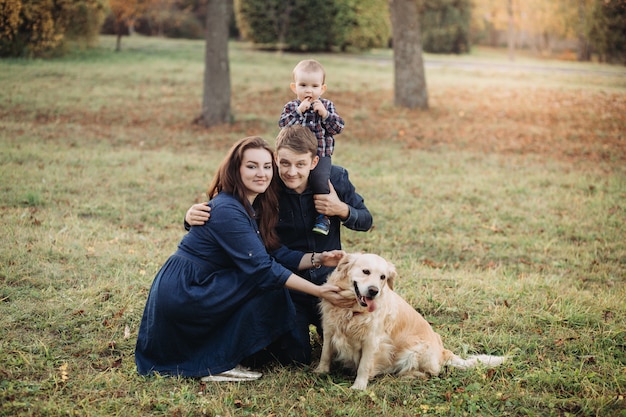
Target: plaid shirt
x: 324, y: 129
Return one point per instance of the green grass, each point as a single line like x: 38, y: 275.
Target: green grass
x: 502, y: 207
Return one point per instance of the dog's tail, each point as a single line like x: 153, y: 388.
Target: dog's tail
x: 472, y: 361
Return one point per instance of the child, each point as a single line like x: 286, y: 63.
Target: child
x: 311, y: 110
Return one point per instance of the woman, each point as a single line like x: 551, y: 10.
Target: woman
x: 220, y: 297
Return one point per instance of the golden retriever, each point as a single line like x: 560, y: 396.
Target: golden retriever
x: 382, y: 333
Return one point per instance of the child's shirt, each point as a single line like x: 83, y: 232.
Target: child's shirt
x: 324, y: 129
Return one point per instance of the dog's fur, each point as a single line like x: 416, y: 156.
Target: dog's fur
x: 382, y: 333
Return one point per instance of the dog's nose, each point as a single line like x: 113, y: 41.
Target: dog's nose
x: 372, y: 291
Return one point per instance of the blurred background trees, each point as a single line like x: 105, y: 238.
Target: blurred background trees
x: 445, y: 26
x: 48, y: 27
x: 314, y: 25
x: 568, y: 29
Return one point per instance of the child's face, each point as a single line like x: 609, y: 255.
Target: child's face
x: 308, y: 85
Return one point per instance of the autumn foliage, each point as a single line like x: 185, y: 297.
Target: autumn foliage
x: 43, y: 28
x: 125, y: 12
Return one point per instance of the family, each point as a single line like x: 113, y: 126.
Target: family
x: 245, y: 282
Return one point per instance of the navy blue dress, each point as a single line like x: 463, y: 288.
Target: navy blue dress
x: 217, y: 300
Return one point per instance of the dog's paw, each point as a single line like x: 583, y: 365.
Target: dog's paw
x: 322, y: 369
x: 359, y: 385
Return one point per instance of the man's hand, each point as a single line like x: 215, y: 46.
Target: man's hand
x: 330, y: 204
x: 198, y: 214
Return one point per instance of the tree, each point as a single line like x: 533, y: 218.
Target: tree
x: 361, y: 24
x: 510, y: 39
x: 216, y: 92
x: 288, y: 24
x: 314, y: 25
x: 409, y: 77
x: 33, y: 28
x: 125, y: 13
x: 607, y: 33
x: 444, y: 26
x: 584, y: 49
x: 158, y: 12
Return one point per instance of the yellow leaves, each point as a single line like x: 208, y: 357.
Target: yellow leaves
x: 10, y: 18
x: 63, y: 372
x: 534, y: 17
x: 128, y: 9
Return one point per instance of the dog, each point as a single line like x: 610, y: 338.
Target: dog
x: 382, y: 333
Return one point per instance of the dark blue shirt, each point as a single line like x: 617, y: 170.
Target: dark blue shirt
x: 297, y: 215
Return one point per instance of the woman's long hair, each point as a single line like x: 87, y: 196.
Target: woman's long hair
x: 228, y: 179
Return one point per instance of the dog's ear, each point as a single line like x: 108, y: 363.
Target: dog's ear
x: 345, y: 262
x: 341, y: 270
x: 392, y: 274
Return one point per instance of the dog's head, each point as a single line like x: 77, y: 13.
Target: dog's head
x: 365, y: 275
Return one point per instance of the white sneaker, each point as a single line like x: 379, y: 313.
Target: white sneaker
x: 238, y: 373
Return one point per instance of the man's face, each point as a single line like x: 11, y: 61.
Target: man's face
x: 294, y: 168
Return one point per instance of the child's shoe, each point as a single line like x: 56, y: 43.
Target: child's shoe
x: 322, y: 225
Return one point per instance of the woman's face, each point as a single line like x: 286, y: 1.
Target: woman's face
x: 294, y: 168
x: 256, y: 172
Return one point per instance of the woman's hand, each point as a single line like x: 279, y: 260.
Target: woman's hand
x: 198, y: 214
x: 332, y: 294
x: 331, y: 258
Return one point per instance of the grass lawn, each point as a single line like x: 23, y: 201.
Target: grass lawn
x: 503, y: 208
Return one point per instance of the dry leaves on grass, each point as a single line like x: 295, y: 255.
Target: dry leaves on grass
x: 568, y: 125
x: 577, y: 126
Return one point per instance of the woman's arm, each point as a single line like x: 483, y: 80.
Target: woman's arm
x: 330, y: 293
x: 293, y: 281
x: 316, y: 259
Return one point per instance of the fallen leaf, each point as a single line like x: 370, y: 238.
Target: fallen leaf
x: 63, y: 370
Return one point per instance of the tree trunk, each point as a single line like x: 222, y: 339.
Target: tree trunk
x: 216, y: 92
x: 118, y: 31
x: 409, y: 77
x: 281, y: 23
x: 511, y: 31
x: 584, y: 52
